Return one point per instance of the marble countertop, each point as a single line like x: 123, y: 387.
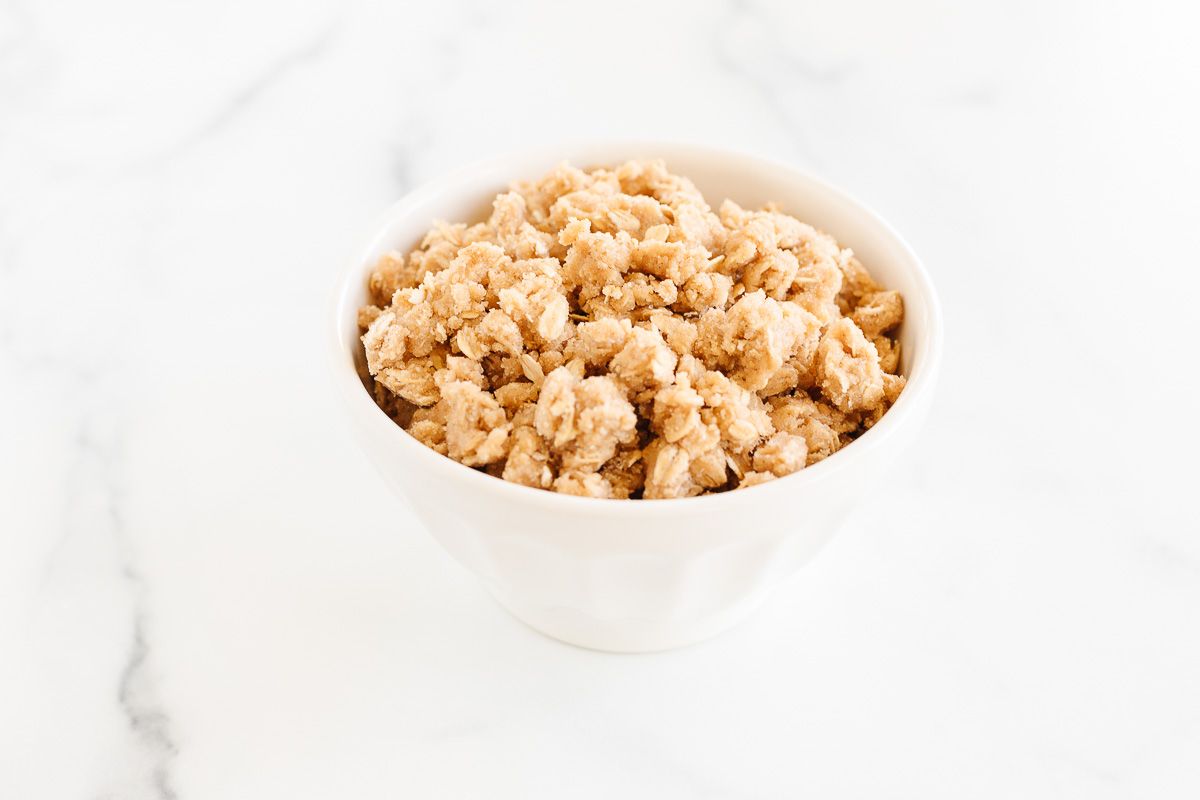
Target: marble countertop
x: 205, y: 591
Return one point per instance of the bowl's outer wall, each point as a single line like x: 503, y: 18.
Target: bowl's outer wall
x: 640, y: 581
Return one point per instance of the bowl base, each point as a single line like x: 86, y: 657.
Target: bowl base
x: 626, y: 635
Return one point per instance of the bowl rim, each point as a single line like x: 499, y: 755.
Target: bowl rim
x: 920, y: 385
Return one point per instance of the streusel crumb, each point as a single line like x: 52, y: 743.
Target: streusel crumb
x: 605, y: 333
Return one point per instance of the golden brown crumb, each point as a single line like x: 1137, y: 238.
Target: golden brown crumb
x: 755, y: 478
x: 856, y: 283
x: 782, y: 454
x: 476, y: 427
x: 822, y: 426
x: 584, y: 421
x: 889, y: 353
x: 583, y: 484
x: 878, y: 312
x: 515, y: 395
x: 391, y: 272
x: 625, y: 471
x: 667, y: 473
x: 848, y: 365
x: 528, y: 459
x: 597, y: 342
x: 605, y: 333
x: 644, y: 365
x: 738, y: 413
x: 756, y: 337
x: 367, y: 315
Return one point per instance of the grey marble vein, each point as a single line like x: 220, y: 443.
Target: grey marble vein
x: 145, y: 714
x: 137, y: 692
x: 97, y: 470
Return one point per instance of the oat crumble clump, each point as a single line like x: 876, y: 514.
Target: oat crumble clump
x: 605, y: 333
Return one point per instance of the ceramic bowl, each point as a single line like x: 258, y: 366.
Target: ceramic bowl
x: 640, y: 575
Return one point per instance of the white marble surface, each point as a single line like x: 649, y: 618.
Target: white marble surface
x: 205, y: 592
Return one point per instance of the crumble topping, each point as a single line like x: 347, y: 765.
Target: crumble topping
x: 605, y: 333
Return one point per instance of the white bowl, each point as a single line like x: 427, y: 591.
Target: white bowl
x: 640, y: 575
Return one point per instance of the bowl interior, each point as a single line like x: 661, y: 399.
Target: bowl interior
x: 466, y: 195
